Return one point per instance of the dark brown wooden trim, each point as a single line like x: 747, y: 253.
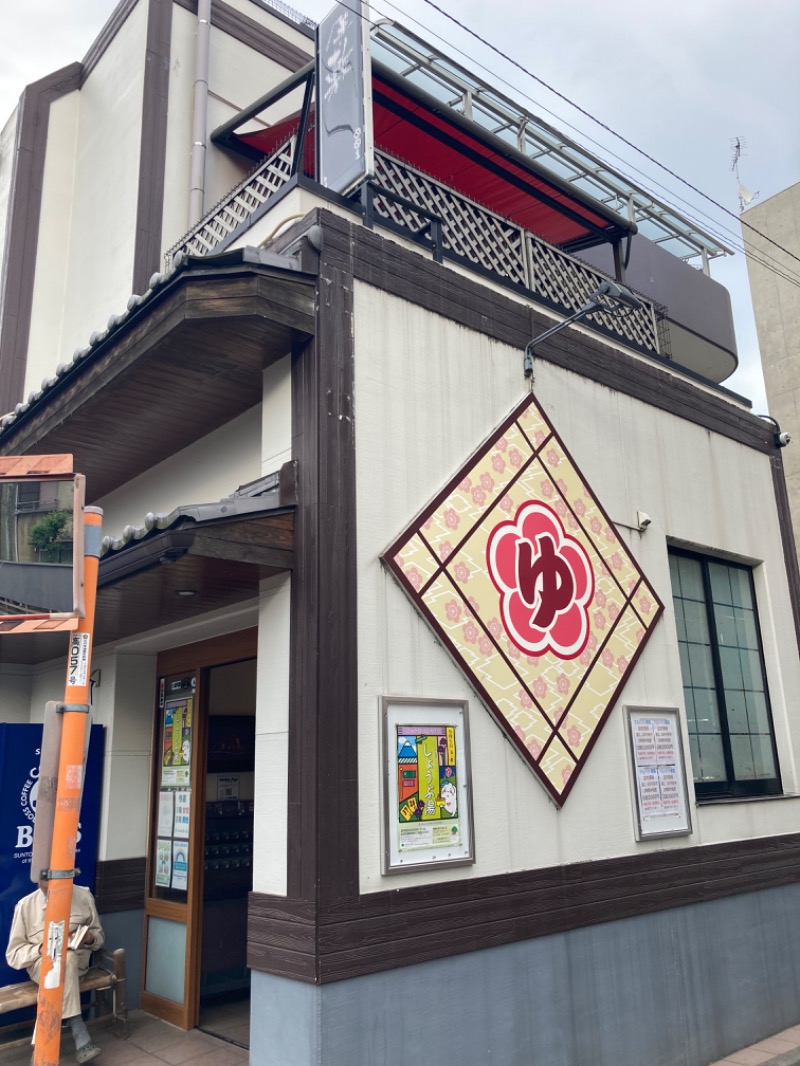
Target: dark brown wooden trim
x: 253, y: 34
x: 385, y: 930
x: 787, y: 539
x: 100, y: 44
x: 24, y: 210
x: 229, y: 648
x: 120, y: 885
x: 153, y: 151
x: 473, y: 304
x: 323, y: 741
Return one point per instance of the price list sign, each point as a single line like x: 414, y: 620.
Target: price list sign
x: 659, y: 777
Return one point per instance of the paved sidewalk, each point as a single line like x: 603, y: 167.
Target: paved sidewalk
x: 782, y: 1049
x: 154, y: 1043
x: 151, y: 1043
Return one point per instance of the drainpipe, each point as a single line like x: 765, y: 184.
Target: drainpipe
x: 199, y: 136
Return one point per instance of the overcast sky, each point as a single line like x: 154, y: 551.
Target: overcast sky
x: 678, y: 78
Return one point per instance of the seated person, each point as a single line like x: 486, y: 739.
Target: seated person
x: 24, y: 952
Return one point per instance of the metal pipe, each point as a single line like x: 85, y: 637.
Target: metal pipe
x: 200, y: 123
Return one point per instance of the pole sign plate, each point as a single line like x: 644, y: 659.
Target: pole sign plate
x: 344, y: 98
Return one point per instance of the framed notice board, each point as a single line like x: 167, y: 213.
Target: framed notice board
x: 426, y: 784
x: 658, y: 768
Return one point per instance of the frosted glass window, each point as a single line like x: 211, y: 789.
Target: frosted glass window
x: 166, y: 959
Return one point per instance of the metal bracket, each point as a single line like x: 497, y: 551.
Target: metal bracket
x: 81, y: 708
x: 61, y: 875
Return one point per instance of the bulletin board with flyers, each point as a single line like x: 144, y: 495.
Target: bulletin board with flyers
x: 174, y: 794
x: 658, y: 771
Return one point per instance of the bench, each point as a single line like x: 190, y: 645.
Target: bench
x: 106, y: 978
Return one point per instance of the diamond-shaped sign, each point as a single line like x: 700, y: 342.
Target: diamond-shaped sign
x: 522, y: 575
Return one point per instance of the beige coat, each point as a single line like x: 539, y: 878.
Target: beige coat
x: 27, y: 934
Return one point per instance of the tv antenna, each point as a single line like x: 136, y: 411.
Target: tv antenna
x: 738, y: 148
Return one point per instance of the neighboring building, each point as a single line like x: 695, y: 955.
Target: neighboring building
x: 354, y: 558
x: 772, y: 245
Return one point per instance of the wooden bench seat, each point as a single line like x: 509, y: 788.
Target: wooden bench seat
x: 107, y: 976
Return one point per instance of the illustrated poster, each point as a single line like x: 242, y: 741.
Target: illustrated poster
x: 176, y: 753
x: 163, y: 862
x: 427, y: 799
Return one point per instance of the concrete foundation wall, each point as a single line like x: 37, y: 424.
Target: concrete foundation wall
x: 679, y: 988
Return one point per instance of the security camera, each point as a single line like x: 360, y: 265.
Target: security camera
x: 643, y: 521
x: 782, y: 439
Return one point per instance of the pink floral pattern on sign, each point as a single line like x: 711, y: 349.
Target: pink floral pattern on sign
x: 529, y: 586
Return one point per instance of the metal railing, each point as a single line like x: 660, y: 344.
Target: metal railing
x: 415, y: 205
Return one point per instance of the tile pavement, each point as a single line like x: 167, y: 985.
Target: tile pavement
x: 155, y: 1043
x: 151, y: 1043
x: 782, y: 1049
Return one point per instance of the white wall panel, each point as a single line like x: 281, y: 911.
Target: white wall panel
x: 272, y: 737
x: 205, y: 472
x: 428, y: 392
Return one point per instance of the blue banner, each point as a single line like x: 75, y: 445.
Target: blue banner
x: 20, y: 746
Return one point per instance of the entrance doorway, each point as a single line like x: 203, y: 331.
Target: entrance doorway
x: 228, y: 851
x: 200, y: 855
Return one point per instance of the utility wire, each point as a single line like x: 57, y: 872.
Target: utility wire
x: 762, y: 257
x: 603, y: 125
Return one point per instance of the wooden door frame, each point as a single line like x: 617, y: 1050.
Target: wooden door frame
x: 195, y: 659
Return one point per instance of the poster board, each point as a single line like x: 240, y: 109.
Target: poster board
x: 174, y: 794
x: 427, y: 789
x: 658, y: 770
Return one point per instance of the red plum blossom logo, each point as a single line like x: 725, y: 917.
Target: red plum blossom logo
x: 545, y: 581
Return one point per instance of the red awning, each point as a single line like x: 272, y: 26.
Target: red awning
x: 415, y: 129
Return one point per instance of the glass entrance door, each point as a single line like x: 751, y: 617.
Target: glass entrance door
x: 185, y: 738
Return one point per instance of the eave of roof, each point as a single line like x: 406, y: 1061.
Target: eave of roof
x: 183, y: 359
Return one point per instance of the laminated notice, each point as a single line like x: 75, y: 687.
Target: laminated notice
x: 78, y: 667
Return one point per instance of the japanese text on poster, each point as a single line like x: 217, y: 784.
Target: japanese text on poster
x: 658, y: 773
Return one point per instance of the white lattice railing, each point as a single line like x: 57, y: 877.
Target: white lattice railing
x: 236, y: 210
x: 466, y: 231
x: 493, y: 243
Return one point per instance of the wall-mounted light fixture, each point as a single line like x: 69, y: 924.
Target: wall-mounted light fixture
x: 609, y: 297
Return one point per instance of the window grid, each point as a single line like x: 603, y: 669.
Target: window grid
x: 727, y: 706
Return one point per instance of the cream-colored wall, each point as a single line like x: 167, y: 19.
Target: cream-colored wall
x: 237, y: 76
x: 276, y: 416
x: 123, y: 703
x: 91, y: 275
x: 55, y: 227
x: 435, y: 391
x: 15, y: 692
x: 205, y: 472
x: 272, y: 737
x: 8, y: 143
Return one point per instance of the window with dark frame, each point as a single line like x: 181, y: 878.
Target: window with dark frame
x: 731, y: 737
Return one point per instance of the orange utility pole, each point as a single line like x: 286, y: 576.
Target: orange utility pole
x: 47, y: 1045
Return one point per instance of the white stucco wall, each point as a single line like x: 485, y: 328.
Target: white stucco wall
x: 89, y: 276
x: 8, y: 141
x: 427, y: 393
x: 272, y: 737
x: 205, y: 472
x: 15, y: 692
x: 237, y: 76
x: 55, y: 226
